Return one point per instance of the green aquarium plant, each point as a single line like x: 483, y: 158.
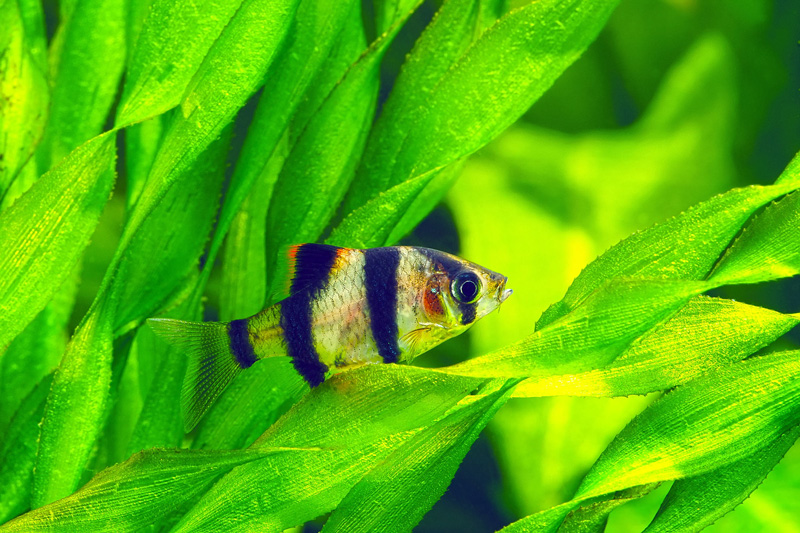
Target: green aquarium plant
x: 157, y: 156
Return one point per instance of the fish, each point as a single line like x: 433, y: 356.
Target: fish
x: 339, y: 308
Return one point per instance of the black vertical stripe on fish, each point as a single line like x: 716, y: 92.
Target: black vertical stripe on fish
x: 452, y: 268
x: 240, y: 343
x: 313, y: 265
x: 380, y: 279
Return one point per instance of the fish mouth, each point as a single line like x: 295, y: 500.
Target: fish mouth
x: 502, y: 292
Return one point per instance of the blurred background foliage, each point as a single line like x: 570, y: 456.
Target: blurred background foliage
x: 677, y: 100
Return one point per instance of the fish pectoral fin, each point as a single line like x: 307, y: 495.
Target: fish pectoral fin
x: 413, y: 338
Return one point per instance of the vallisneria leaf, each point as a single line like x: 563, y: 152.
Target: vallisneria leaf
x: 591, y: 517
x: 244, y: 287
x: 346, y: 48
x: 230, y: 73
x: 24, y: 95
x: 138, y: 493
x: 444, y: 40
x: 525, y: 51
x: 706, y: 334
x: 36, y: 351
x: 767, y: 249
x: 684, y: 247
x: 396, y: 494
x: 46, y: 230
x: 88, y: 69
x: 319, y: 167
x: 369, y: 410
x: 169, y: 242
x: 250, y: 405
x: 173, y: 42
x: 18, y: 453
x: 33, y: 21
x: 372, y: 223
x: 75, y: 408
x: 591, y: 336
x: 696, y: 502
x: 317, y: 26
x: 705, y: 424
x: 141, y: 142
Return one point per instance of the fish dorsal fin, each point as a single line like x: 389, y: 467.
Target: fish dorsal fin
x: 304, y: 267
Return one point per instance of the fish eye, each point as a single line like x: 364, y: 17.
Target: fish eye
x: 466, y: 287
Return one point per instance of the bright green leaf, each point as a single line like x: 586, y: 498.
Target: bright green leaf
x: 18, y: 453
x: 137, y: 493
x: 45, y: 232
x: 89, y: 65
x: 369, y: 412
x: 396, y: 494
x: 75, y: 409
x: 24, y: 95
x: 767, y: 249
x: 444, y: 40
x: 697, y: 502
x: 703, y: 425
x: 319, y: 168
x: 684, y: 247
x: 173, y: 43
x: 706, y: 334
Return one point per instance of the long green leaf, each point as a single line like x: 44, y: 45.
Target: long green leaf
x: 250, y: 405
x: 35, y: 352
x: 168, y: 244
x: 397, y: 493
x: 319, y: 168
x: 706, y: 334
x: 591, y: 336
x: 702, y: 425
x: 697, y: 502
x: 459, y: 118
x: 444, y: 40
x: 138, y: 493
x: 307, y: 51
x: 369, y: 411
x: 684, y: 247
x: 768, y: 249
x: 74, y: 413
x: 45, y: 232
x: 24, y: 95
x: 18, y: 453
x: 372, y: 224
x: 230, y: 73
x: 90, y: 60
x: 174, y: 40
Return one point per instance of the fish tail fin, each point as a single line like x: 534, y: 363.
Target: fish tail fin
x: 211, y: 367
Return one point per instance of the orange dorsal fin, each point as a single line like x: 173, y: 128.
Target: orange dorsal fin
x: 303, y: 267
